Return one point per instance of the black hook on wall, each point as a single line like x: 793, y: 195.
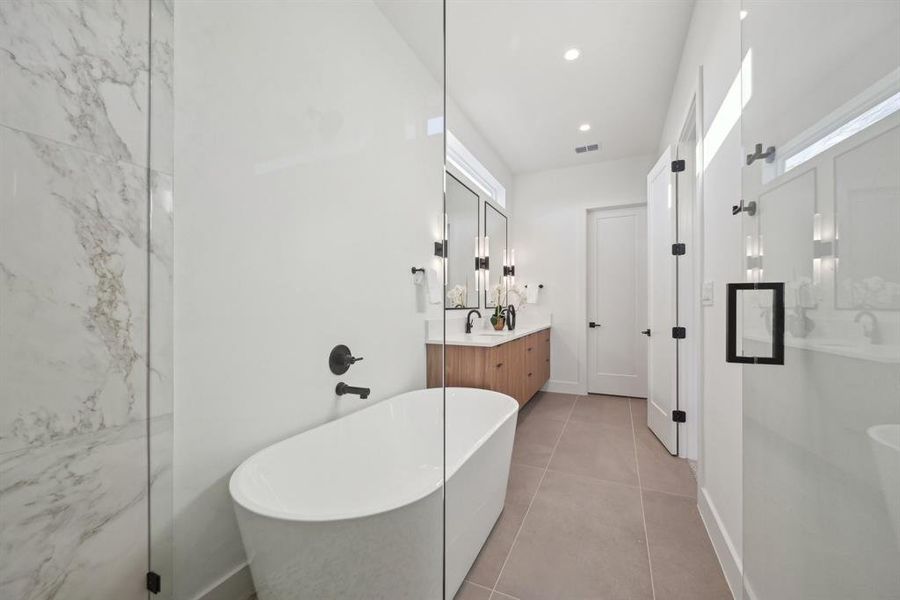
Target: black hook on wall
x: 415, y: 270
x: 758, y: 153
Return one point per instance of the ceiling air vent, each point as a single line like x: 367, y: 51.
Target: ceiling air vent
x: 588, y: 148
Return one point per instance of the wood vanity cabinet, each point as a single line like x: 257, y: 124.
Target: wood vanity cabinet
x: 518, y: 368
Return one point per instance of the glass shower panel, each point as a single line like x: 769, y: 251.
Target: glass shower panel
x: 821, y: 436
x: 161, y: 299
x: 309, y: 175
x: 85, y: 350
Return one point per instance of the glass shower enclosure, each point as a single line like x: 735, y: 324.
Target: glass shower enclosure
x: 816, y: 321
x: 291, y: 155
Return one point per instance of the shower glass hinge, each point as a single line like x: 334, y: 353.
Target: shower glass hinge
x: 679, y: 333
x: 679, y: 416
x: 679, y: 249
x: 154, y: 582
x: 678, y: 166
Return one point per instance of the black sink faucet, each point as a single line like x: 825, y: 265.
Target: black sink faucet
x: 469, y: 320
x: 870, y: 326
x: 342, y: 388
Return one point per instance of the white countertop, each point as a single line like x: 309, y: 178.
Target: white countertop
x: 883, y: 353
x: 488, y: 338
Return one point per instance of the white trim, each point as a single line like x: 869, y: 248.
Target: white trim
x: 565, y: 387
x: 691, y: 274
x: 726, y: 551
x: 236, y: 584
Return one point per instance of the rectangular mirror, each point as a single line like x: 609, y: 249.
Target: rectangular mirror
x: 494, y: 247
x: 867, y: 190
x: 462, y: 245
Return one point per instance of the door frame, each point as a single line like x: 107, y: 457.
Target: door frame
x: 690, y: 282
x: 588, y: 276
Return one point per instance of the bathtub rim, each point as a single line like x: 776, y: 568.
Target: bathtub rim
x: 250, y: 505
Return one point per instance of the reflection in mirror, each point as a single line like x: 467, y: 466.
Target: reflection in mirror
x: 462, y: 241
x: 495, y: 244
x: 867, y: 189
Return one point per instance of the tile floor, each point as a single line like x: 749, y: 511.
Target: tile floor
x: 595, y: 509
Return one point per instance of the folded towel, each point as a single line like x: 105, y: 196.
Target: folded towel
x: 532, y: 293
x: 435, y: 289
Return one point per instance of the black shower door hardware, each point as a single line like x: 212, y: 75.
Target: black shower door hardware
x: 758, y: 153
x: 645, y: 332
x: 731, y: 353
x: 593, y: 325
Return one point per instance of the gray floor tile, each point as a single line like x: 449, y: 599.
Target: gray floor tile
x: 469, y: 591
x: 523, y: 483
x: 685, y: 566
x: 535, y: 439
x: 550, y: 405
x: 639, y: 412
x: 660, y: 470
x: 582, y: 538
x: 608, y: 410
x: 598, y: 451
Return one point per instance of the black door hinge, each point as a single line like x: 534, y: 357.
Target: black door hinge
x: 679, y: 333
x: 679, y: 249
x: 154, y: 582
x: 679, y: 416
x: 677, y: 166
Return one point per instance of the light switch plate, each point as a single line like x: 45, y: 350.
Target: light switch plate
x: 706, y: 296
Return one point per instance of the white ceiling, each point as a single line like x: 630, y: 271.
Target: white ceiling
x: 506, y: 72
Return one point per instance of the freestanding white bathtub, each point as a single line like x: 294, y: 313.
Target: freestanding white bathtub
x: 353, y: 509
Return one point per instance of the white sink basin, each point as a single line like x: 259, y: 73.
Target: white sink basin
x: 493, y: 333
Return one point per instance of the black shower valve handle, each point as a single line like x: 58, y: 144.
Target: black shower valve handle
x: 341, y: 358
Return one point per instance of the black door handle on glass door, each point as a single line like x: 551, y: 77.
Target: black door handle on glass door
x: 646, y: 332
x: 593, y: 325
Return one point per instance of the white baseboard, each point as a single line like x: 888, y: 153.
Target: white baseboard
x: 235, y: 585
x: 725, y: 549
x: 564, y: 387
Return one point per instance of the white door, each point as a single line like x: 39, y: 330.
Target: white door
x: 617, y: 301
x: 662, y: 396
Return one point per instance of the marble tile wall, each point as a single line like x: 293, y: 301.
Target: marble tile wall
x: 86, y: 266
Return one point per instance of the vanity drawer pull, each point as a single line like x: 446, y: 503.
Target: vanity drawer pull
x: 529, y: 374
x: 529, y: 349
x: 499, y: 365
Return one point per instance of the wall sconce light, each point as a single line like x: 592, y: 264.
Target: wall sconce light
x: 823, y: 248
x: 509, y: 266
x: 754, y: 256
x: 483, y: 263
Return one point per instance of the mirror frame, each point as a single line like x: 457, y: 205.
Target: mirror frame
x: 472, y: 261
x: 486, y: 280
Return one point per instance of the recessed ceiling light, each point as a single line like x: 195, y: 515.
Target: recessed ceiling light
x: 584, y: 127
x: 572, y: 54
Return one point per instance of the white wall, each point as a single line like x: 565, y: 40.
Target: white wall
x: 713, y: 42
x: 307, y: 188
x: 550, y: 232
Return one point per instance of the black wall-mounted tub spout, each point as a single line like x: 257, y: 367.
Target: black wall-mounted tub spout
x: 342, y: 388
x: 469, y: 320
